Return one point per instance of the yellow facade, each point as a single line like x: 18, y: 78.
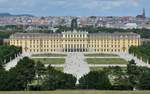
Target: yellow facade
x: 75, y: 42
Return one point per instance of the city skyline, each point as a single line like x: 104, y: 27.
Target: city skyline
x: 75, y: 8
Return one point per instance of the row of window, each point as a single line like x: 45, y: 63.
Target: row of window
x: 48, y: 41
x: 96, y: 50
x: 42, y: 50
x: 108, y: 50
x: 75, y: 45
x: 52, y: 46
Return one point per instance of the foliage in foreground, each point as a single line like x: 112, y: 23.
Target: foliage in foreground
x: 58, y: 80
x: 95, y: 80
x: 21, y: 77
x: 28, y: 75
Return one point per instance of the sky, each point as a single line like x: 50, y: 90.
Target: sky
x: 75, y: 7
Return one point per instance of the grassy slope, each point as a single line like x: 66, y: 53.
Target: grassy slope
x: 78, y: 92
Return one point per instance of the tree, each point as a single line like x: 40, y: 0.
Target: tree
x: 40, y: 71
x: 8, y: 80
x: 66, y: 81
x: 4, y: 80
x: 8, y: 53
x: 144, y: 81
x: 1, y: 64
x: 134, y: 74
x: 24, y: 72
x: 49, y: 81
x: 2, y: 77
x: 57, y: 80
x: 95, y: 80
x: 118, y: 78
x: 74, y: 24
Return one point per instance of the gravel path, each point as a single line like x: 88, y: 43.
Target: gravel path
x: 14, y: 62
x: 129, y: 57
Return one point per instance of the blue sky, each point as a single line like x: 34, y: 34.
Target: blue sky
x: 75, y: 7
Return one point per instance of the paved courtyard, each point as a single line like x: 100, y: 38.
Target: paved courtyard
x: 76, y: 65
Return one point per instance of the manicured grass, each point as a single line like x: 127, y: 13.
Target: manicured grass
x: 106, y: 61
x: 59, y: 69
x: 50, y: 60
x: 49, y: 55
x: 96, y: 68
x: 75, y: 92
x: 102, y: 55
x: 101, y: 68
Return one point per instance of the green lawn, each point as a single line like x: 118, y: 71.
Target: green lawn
x: 102, y: 55
x: 101, y: 68
x: 96, y: 68
x: 50, y: 60
x: 106, y: 61
x: 59, y: 69
x: 76, y: 92
x: 49, y: 55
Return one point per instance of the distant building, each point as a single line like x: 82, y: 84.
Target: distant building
x: 143, y: 14
x: 130, y: 26
x: 75, y: 41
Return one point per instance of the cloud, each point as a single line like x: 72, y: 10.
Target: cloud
x: 101, y: 4
x: 46, y: 5
x: 84, y: 3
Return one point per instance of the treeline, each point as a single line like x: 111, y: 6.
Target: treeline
x: 7, y: 30
x: 12, y: 27
x: 8, y: 53
x: 142, y: 52
x: 30, y: 75
x: 4, y: 34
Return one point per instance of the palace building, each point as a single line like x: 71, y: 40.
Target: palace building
x: 75, y: 41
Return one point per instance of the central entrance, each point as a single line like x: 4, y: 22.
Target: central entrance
x: 75, y: 50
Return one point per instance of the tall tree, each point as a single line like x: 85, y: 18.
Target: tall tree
x: 40, y: 71
x: 57, y: 80
x: 144, y: 81
x: 25, y: 72
x: 95, y: 80
x: 134, y: 74
x: 74, y: 24
x: 118, y: 78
